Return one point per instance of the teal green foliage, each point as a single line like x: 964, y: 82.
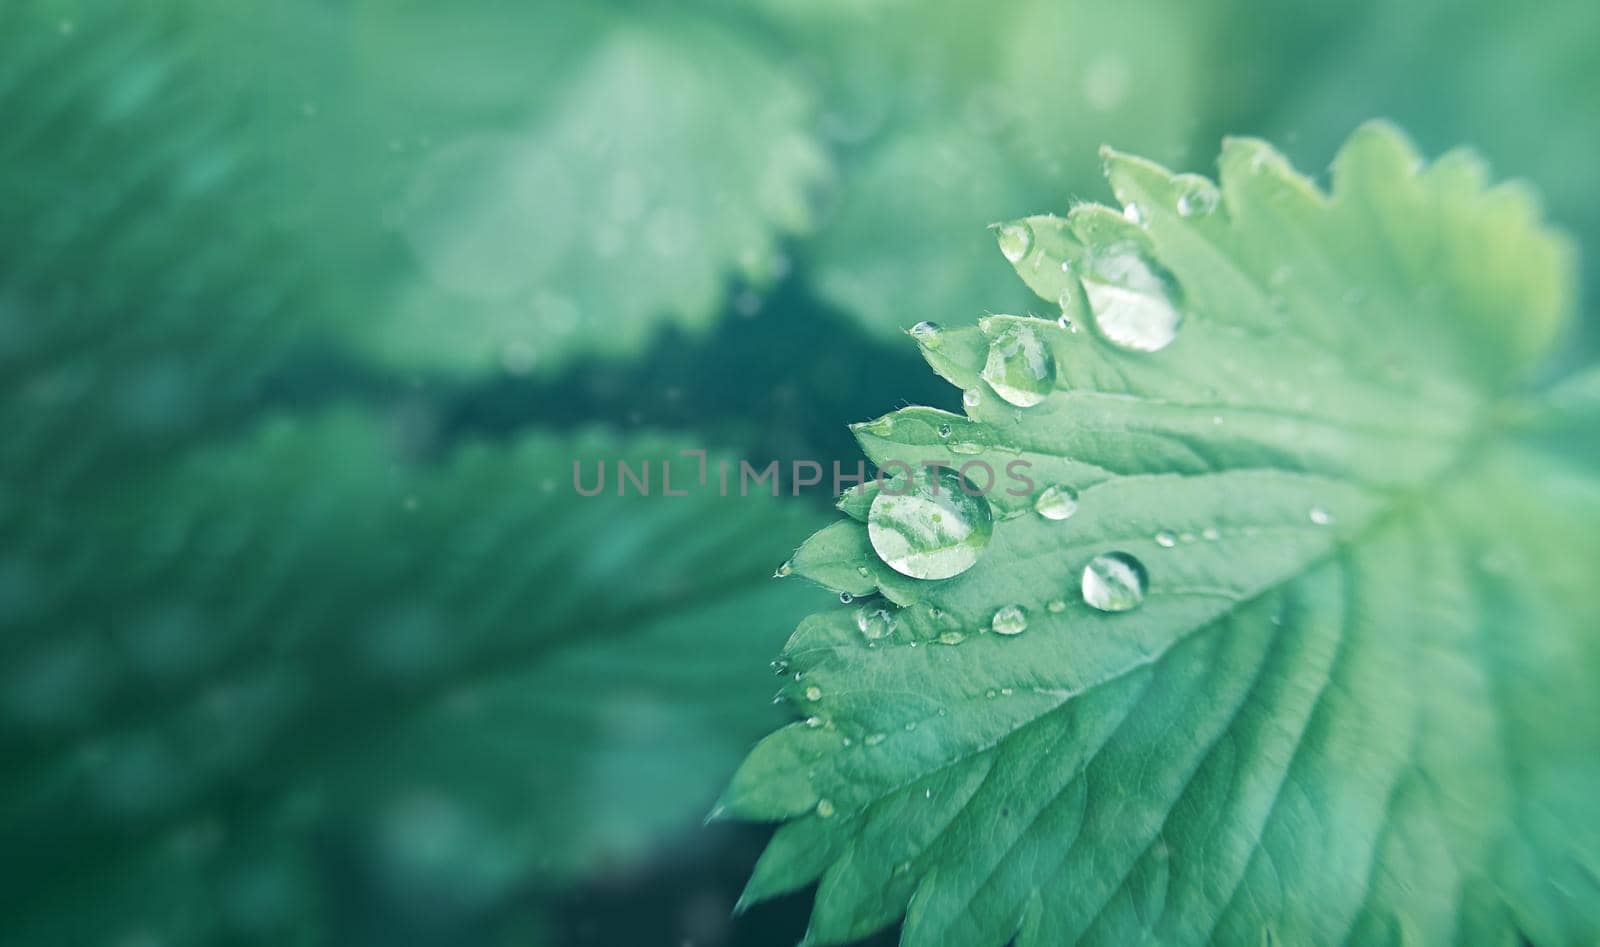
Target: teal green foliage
x: 1343, y: 697
x: 306, y: 310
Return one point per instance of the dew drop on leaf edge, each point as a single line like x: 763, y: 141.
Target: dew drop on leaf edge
x: 1015, y: 240
x: 930, y: 334
x: 1114, y: 582
x: 1020, y: 366
x: 928, y: 526
x: 1197, y: 196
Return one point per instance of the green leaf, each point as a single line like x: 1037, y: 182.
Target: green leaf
x: 223, y: 675
x: 510, y: 188
x: 1355, y: 702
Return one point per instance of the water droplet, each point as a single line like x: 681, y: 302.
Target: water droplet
x: 911, y: 725
x: 874, y: 739
x: 1132, y: 300
x: 813, y: 693
x: 1056, y: 606
x: 845, y: 598
x: 935, y: 530
x: 1114, y: 582
x: 1020, y: 367
x: 952, y: 637
x: 971, y: 398
x: 1320, y: 516
x: 966, y: 447
x: 991, y: 693
x: 1006, y: 692
x: 863, y: 571
x: 1009, y: 620
x: 825, y: 808
x: 944, y: 430
x: 1132, y: 214
x: 779, y: 666
x: 1015, y: 239
x: 929, y: 334
x: 1056, y: 503
x: 1210, y: 534
x: 927, y: 794
x: 1197, y: 196
x: 1166, y: 540
x: 875, y: 623
x: 847, y: 742
x: 813, y: 722
x: 783, y: 570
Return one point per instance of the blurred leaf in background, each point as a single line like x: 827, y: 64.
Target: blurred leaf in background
x: 458, y: 673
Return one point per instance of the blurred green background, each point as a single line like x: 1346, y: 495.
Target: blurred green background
x: 307, y: 309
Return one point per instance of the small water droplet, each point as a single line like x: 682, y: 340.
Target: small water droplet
x: 991, y: 693
x: 846, y: 742
x: 813, y: 693
x: 1114, y: 582
x: 845, y: 598
x: 783, y: 570
x: 874, y: 739
x: 779, y: 666
x: 1210, y: 534
x: 825, y: 808
x: 952, y: 637
x: 1056, y: 606
x: 1056, y: 503
x: 935, y: 530
x: 1132, y: 214
x: 1166, y: 540
x: 971, y: 398
x: 1132, y: 300
x: 1020, y: 368
x: 875, y: 623
x: 813, y: 722
x: 929, y: 334
x: 944, y: 430
x: 910, y: 726
x: 1009, y: 620
x: 1321, y: 517
x: 927, y: 794
x: 1197, y: 196
x: 1015, y: 239
x: 1006, y: 692
x: 966, y: 447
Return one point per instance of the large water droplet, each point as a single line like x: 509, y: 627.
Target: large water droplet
x: 1020, y: 367
x: 930, y: 334
x: 1056, y: 503
x: 1114, y: 582
x: 1132, y: 299
x: 933, y: 529
x: 1009, y: 620
x: 1197, y: 196
x: 1016, y: 239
